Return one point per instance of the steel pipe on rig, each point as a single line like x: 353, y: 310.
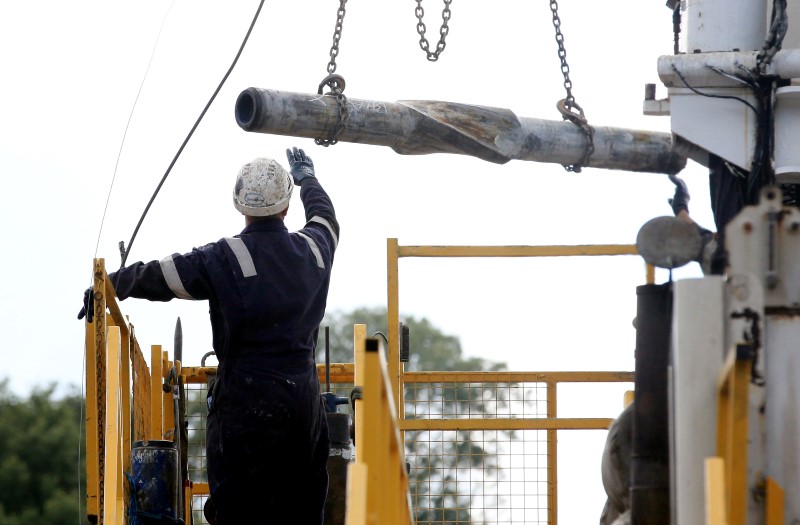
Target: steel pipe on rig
x: 420, y: 127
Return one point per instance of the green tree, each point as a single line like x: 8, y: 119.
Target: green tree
x: 39, y: 465
x: 438, y: 495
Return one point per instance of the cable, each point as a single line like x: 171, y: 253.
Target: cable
x: 709, y: 95
x: 382, y: 335
x: 191, y: 132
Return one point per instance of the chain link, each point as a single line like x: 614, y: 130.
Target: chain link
x: 337, y: 35
x: 335, y: 83
x: 569, y: 108
x: 562, y: 54
x: 433, y: 56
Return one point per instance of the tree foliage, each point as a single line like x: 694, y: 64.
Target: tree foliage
x: 431, y: 349
x: 39, y: 465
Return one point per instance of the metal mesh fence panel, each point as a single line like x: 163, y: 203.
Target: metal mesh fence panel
x: 477, y: 476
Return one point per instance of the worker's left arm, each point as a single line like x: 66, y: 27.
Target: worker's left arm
x: 175, y: 276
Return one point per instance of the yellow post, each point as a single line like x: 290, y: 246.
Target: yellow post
x: 111, y: 455
x: 356, y: 508
x: 393, y: 316
x: 371, y: 437
x: 552, y: 456
x: 168, y: 410
x: 732, y: 422
x: 359, y: 336
x: 650, y: 274
x: 95, y: 392
x: 715, y: 491
x: 738, y: 470
x: 627, y: 399
x: 775, y: 503
x: 92, y: 462
x: 156, y: 395
x: 125, y: 383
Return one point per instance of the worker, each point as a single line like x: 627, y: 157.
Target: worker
x: 266, y: 436
x: 710, y: 256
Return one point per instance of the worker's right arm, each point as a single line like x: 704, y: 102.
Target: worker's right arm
x: 320, y: 216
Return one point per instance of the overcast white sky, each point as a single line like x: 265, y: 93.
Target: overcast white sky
x: 70, y: 74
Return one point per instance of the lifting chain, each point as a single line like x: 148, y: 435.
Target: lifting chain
x: 569, y: 109
x: 433, y: 56
x: 335, y: 83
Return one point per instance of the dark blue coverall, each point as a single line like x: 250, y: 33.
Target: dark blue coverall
x: 266, y: 438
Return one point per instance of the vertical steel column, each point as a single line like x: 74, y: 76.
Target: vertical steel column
x: 650, y: 499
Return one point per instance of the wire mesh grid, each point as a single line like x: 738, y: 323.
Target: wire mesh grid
x: 496, y: 476
x: 455, y: 476
x: 196, y: 413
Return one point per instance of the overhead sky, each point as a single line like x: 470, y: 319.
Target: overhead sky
x: 71, y: 72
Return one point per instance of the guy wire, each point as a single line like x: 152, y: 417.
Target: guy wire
x: 130, y: 117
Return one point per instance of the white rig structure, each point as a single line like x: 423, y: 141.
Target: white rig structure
x: 753, y: 311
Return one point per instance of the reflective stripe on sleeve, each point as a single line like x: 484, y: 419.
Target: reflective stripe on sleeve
x: 173, y: 279
x: 314, y: 248
x: 327, y: 224
x: 242, y: 255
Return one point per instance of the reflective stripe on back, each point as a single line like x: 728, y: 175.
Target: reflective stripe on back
x: 314, y: 248
x: 173, y: 279
x: 242, y: 255
x: 324, y: 222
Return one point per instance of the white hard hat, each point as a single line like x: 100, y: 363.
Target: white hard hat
x: 262, y: 188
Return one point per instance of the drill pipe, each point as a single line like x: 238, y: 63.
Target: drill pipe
x: 416, y: 127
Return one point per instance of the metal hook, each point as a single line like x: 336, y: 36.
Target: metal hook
x: 566, y: 110
x: 333, y: 81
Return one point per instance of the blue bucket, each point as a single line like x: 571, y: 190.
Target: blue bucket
x: 155, y: 485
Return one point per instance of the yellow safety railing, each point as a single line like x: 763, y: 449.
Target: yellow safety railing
x: 726, y: 474
x: 377, y: 482
x: 503, y: 383
x: 124, y: 402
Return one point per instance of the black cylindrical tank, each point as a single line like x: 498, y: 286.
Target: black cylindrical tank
x: 338, y: 460
x: 650, y: 483
x: 155, y: 482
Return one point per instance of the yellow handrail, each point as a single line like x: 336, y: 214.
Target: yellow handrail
x: 377, y: 487
x: 121, y: 400
x: 399, y: 377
